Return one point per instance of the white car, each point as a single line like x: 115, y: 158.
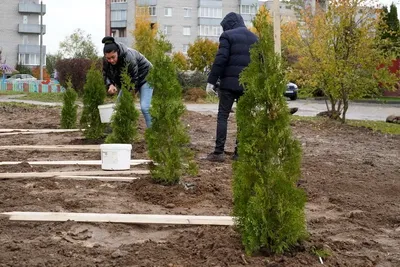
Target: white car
x: 21, y: 78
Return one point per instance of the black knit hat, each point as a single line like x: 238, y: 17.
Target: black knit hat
x: 109, y: 44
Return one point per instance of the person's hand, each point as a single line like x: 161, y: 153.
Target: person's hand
x: 210, y: 89
x: 112, y: 90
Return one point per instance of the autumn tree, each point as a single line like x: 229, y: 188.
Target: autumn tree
x: 338, y: 53
x: 180, y: 61
x: 78, y: 45
x: 267, y: 203
x: 390, y: 31
x: 201, y: 54
x: 51, y: 61
x: 146, y: 33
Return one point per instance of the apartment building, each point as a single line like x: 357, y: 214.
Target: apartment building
x: 20, y: 32
x: 182, y: 21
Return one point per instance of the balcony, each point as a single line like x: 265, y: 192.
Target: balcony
x: 30, y: 28
x: 30, y: 49
x: 119, y: 24
x: 31, y: 8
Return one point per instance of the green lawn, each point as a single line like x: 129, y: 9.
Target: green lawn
x: 376, y: 126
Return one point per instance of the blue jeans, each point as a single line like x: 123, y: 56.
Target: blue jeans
x: 146, y: 93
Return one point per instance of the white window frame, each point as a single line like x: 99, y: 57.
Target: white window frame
x: 168, y: 11
x: 118, y: 15
x: 166, y: 31
x: 187, y: 12
x: 153, y: 11
x: 248, y: 9
x: 187, y: 30
x: 210, y: 12
x: 210, y: 30
x: 185, y: 48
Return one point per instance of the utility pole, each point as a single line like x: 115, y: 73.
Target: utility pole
x: 41, y: 41
x: 277, y: 27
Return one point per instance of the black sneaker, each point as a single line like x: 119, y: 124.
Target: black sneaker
x: 235, y: 157
x: 216, y: 157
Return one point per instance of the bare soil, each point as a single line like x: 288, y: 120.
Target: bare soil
x: 351, y: 176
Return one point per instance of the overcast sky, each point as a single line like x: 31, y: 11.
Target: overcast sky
x: 64, y: 16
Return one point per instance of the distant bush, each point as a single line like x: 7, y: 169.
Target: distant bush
x: 192, y: 80
x: 23, y: 69
x: 195, y: 94
x: 76, y: 69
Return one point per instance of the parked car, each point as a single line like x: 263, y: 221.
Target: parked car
x: 291, y: 91
x: 21, y: 78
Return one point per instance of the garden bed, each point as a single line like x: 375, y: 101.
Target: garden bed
x: 351, y: 177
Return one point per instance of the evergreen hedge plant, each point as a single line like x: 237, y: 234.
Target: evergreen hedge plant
x: 268, y: 206
x: 69, y: 109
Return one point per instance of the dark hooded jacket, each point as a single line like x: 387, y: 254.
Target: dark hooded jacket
x: 138, y: 67
x: 233, y: 53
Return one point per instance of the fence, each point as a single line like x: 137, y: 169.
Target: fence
x: 31, y: 87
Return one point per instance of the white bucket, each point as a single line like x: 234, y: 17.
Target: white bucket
x: 106, y: 112
x: 116, y: 156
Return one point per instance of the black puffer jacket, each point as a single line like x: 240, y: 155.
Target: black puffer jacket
x: 138, y: 67
x: 233, y: 53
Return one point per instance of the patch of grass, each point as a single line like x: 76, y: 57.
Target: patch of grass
x: 211, y: 99
x: 44, y: 97
x: 11, y: 93
x: 320, y: 252
x: 377, y: 126
x: 22, y: 105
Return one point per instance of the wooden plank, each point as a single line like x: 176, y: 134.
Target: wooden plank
x: 71, y: 162
x: 54, y: 148
x: 99, y: 178
x: 25, y: 175
x: 120, y: 218
x: 39, y: 130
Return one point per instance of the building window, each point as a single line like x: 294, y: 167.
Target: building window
x: 122, y: 32
x: 167, y: 29
x: 29, y: 59
x: 210, y: 12
x: 118, y: 15
x: 152, y: 10
x: 168, y: 11
x: 142, y: 10
x: 185, y: 48
x: 209, y: 30
x: 118, y: 1
x: 187, y: 12
x: 248, y: 9
x: 186, y: 30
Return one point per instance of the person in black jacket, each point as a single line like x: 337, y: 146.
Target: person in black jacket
x: 232, y: 57
x: 116, y: 57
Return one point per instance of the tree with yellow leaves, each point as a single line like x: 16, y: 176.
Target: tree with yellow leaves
x: 202, y: 54
x: 338, y: 52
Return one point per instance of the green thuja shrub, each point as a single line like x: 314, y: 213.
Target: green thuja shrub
x: 167, y: 138
x: 69, y: 109
x: 268, y: 206
x: 125, y: 119
x: 94, y: 93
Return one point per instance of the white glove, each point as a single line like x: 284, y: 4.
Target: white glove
x: 210, y: 89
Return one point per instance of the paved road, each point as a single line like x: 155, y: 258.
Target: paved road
x: 357, y: 111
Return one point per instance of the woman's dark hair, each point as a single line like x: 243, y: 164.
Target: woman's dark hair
x: 109, y: 45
